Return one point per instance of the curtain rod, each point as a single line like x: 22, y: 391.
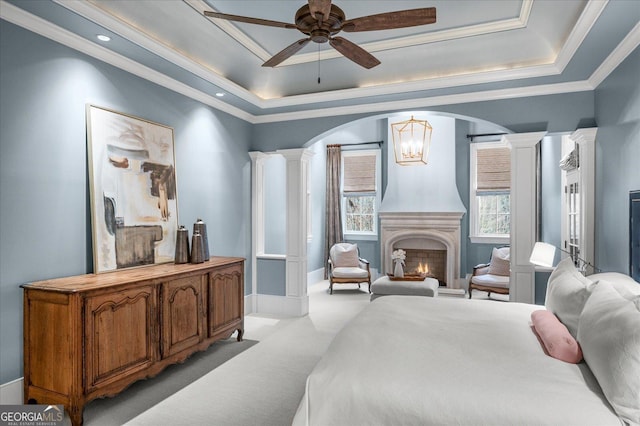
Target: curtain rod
x: 360, y: 143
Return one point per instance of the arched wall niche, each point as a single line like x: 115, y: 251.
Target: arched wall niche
x: 375, y: 251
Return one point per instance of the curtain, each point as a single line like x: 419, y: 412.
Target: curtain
x: 333, y: 214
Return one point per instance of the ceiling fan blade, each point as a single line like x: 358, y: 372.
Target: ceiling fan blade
x: 249, y: 20
x: 286, y: 52
x: 354, y: 52
x: 391, y: 20
x: 320, y: 6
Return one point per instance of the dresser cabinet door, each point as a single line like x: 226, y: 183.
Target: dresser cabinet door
x: 119, y: 329
x: 226, y: 299
x: 182, y: 313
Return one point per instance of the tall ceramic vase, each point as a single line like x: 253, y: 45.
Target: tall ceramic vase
x: 398, y: 272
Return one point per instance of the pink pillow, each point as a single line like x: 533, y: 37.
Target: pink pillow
x: 555, y: 337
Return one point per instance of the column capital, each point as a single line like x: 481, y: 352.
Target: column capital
x: 522, y: 140
x: 585, y: 136
x: 296, y: 153
x: 257, y: 155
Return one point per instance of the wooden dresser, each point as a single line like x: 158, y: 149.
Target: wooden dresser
x: 91, y: 336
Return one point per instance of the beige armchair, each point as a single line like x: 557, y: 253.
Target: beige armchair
x: 492, y: 277
x: 346, y: 266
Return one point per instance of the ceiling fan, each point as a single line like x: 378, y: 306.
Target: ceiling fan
x: 320, y: 21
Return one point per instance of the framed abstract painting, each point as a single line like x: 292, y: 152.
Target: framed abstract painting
x: 134, y: 208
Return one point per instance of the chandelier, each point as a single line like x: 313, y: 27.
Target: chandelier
x: 411, y: 141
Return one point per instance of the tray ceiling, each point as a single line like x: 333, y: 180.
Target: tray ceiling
x: 474, y: 46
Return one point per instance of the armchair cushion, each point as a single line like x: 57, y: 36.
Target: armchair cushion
x: 350, y: 272
x: 344, y: 255
x: 490, y: 280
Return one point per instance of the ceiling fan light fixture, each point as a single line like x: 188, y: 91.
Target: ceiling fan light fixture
x: 411, y: 141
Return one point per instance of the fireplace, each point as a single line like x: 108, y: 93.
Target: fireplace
x: 428, y: 237
x: 421, y: 208
x: 431, y: 262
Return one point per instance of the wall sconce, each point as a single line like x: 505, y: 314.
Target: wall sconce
x: 411, y: 141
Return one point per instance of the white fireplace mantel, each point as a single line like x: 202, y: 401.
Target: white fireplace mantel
x: 443, y: 227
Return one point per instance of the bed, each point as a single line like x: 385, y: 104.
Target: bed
x: 407, y: 360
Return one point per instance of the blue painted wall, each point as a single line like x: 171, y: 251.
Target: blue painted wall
x: 617, y: 103
x: 271, y: 276
x: 275, y: 205
x: 45, y: 226
x: 44, y: 222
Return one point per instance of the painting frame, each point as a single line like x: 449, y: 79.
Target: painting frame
x: 132, y: 189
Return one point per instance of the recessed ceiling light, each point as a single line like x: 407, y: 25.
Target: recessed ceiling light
x: 103, y: 37
x: 219, y: 94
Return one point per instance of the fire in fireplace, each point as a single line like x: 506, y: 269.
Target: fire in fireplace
x: 433, y: 263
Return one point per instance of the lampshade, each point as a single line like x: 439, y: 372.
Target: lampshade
x: 543, y: 254
x: 411, y: 141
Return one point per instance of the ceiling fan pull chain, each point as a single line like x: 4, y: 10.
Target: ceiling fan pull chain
x: 318, y: 63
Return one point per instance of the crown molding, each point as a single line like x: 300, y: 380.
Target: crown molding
x: 37, y: 25
x: 46, y: 29
x: 490, y: 76
x: 426, y: 38
x: 615, y: 58
x: 396, y: 43
x: 586, y: 21
x: 98, y: 16
x: 117, y: 26
x: 104, y: 19
x: 482, y: 96
x: 233, y: 31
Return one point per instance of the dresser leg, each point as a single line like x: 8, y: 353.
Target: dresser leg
x: 240, y: 334
x: 75, y: 414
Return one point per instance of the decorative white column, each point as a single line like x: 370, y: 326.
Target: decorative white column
x: 257, y: 220
x: 523, y: 213
x: 297, y: 214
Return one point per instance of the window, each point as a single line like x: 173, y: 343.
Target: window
x: 360, y: 199
x: 490, y: 216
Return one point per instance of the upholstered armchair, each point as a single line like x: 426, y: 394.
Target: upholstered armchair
x: 492, y: 277
x: 346, y: 266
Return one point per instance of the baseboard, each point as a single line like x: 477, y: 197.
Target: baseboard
x: 316, y: 276
x: 11, y: 392
x: 248, y: 304
x: 282, y: 305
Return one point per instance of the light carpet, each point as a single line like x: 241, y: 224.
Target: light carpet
x: 264, y: 384
x: 144, y: 394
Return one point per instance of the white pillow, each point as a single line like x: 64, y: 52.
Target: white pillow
x: 567, y: 292
x: 345, y: 255
x: 624, y: 284
x: 609, y: 335
x: 500, y: 262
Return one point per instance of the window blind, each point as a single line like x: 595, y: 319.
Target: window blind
x: 359, y: 173
x: 493, y: 169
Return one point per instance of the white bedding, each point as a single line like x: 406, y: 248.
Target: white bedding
x: 421, y: 360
